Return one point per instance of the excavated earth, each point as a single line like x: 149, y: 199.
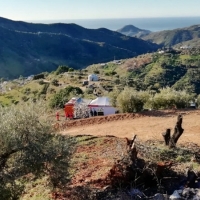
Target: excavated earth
x: 102, y: 157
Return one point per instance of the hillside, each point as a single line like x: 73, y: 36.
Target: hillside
x: 176, y: 36
x: 104, y: 167
x: 28, y: 48
x: 176, y: 68
x: 132, y: 31
x: 151, y: 72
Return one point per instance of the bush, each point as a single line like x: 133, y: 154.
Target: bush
x: 39, y: 76
x: 71, y: 69
x: 44, y: 89
x: 30, y: 147
x: 41, y: 82
x: 169, y: 97
x: 61, y: 69
x: 24, y: 98
x: 55, y: 82
x: 96, y: 71
x: 59, y: 99
x: 129, y: 101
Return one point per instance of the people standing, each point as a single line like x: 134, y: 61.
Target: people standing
x: 66, y: 115
x: 95, y: 112
x: 57, y: 116
x: 91, y: 112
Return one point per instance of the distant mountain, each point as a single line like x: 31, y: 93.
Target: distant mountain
x: 177, y: 36
x: 27, y: 48
x: 133, y: 31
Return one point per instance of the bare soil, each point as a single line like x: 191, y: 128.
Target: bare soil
x: 101, y: 144
x: 146, y: 125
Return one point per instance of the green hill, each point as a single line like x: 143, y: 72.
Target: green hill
x: 176, y: 36
x: 27, y: 48
x: 177, y: 69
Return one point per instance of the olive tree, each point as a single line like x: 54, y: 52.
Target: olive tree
x: 130, y: 100
x: 30, y: 146
x: 59, y: 99
x: 168, y: 97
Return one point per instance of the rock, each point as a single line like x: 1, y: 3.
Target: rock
x: 136, y: 193
x: 175, y: 196
x: 191, y: 193
x: 159, y: 196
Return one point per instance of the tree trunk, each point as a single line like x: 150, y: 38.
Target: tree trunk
x: 178, y: 130
x: 166, y: 135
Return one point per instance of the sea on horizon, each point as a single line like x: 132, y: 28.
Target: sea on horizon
x: 152, y: 24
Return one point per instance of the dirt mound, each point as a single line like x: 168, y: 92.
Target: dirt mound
x: 63, y: 124
x: 101, y: 119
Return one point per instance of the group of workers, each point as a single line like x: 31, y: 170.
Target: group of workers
x: 93, y: 113
x: 67, y: 116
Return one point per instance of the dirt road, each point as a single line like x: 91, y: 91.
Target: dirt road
x: 146, y: 126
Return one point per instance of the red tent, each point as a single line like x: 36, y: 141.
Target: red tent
x: 69, y: 106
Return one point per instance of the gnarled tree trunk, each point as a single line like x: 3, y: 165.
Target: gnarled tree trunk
x: 178, y: 131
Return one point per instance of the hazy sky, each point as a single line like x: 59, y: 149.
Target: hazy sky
x: 32, y: 10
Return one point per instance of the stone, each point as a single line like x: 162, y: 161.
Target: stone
x: 175, y: 196
x: 159, y: 196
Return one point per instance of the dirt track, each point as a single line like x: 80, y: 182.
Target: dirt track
x: 147, y: 126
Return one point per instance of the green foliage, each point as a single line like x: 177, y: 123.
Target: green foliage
x: 61, y: 69
x: 55, y: 82
x: 39, y: 76
x: 71, y: 69
x: 30, y: 148
x: 27, y: 91
x: 59, y: 99
x: 129, y: 100
x: 24, y: 98
x: 44, y: 89
x: 89, y: 91
x: 41, y: 82
x: 113, y: 96
x: 96, y: 71
x: 169, y: 97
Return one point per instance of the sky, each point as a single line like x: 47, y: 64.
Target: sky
x: 38, y: 10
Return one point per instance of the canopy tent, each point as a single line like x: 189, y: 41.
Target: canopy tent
x: 102, y: 104
x: 69, y: 106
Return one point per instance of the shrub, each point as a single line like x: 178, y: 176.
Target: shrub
x: 59, y: 99
x: 129, y: 101
x: 55, y: 82
x: 44, y: 89
x: 25, y: 98
x: 30, y: 147
x: 41, y: 82
x: 61, y: 69
x: 169, y: 97
x: 96, y: 71
x: 39, y: 76
x: 71, y: 69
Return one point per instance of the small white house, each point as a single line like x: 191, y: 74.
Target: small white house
x: 93, y: 77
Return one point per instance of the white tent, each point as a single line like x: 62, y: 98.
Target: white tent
x: 102, y: 104
x: 93, y: 77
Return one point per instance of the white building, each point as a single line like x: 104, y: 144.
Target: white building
x: 93, y: 77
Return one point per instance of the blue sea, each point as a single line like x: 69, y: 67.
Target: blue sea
x: 152, y: 24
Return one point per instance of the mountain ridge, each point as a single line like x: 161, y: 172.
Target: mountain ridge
x: 175, y: 36
x: 28, y: 48
x: 133, y: 31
